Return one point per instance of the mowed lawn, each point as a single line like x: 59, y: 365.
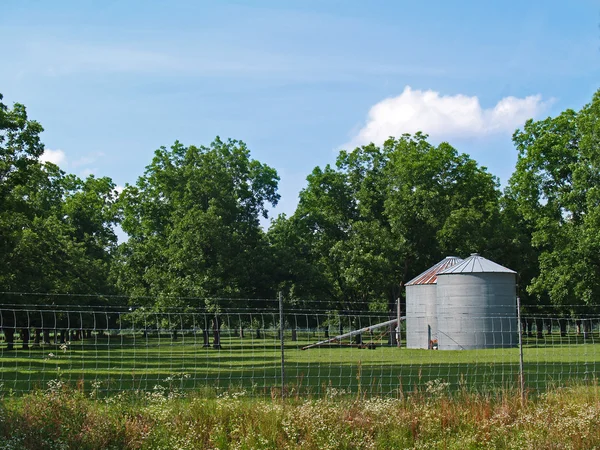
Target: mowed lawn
x: 125, y: 362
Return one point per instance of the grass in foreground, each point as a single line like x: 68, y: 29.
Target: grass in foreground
x: 62, y: 418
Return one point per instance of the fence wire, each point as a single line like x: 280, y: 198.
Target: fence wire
x: 232, y: 347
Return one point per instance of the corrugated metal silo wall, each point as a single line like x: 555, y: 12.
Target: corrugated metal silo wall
x: 421, y: 315
x: 476, y: 310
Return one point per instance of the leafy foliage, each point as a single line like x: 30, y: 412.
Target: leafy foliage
x: 56, y: 231
x: 363, y: 227
x: 193, y: 225
x: 555, y: 190
x: 382, y: 215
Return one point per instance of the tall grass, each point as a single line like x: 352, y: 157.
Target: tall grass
x: 62, y: 418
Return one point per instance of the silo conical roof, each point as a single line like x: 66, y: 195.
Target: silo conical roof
x: 476, y: 264
x: 430, y: 275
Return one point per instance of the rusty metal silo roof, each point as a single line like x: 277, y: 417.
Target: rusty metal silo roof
x: 430, y: 275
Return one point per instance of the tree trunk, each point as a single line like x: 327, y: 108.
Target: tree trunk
x: 529, y: 328
x: 46, y: 336
x: 25, y: 338
x: 37, y: 337
x: 294, y: 334
x: 241, y: 332
x: 549, y: 327
x: 539, y: 326
x: 563, y: 327
x: 258, y: 333
x: 587, y: 328
x: 174, y: 336
x: 216, y: 326
x: 205, y: 337
x: 63, y: 335
x: 9, y: 335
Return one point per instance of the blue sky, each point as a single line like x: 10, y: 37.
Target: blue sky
x: 112, y: 81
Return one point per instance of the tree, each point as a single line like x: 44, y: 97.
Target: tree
x: 441, y: 201
x: 193, y: 226
x: 56, y: 231
x: 384, y: 214
x: 555, y: 190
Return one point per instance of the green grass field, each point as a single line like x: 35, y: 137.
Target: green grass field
x: 127, y: 362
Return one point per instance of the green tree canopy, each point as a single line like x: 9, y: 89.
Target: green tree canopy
x: 382, y: 215
x: 193, y: 225
x: 555, y: 190
x: 56, y: 231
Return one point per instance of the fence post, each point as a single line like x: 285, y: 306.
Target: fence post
x: 398, y: 316
x: 281, y: 330
x: 521, y: 370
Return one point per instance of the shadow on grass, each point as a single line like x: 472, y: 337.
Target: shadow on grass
x: 254, y: 366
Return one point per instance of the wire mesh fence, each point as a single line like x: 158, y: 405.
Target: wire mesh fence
x: 260, y: 349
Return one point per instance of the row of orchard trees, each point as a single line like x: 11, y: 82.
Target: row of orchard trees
x: 362, y: 228
x: 56, y: 230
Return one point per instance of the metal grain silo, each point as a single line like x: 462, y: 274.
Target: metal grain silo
x: 421, y: 298
x: 476, y: 305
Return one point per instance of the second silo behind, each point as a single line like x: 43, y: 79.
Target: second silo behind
x: 476, y: 305
x: 421, y: 311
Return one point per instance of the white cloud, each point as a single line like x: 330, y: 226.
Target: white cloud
x: 444, y: 116
x: 83, y: 165
x: 119, y: 189
x: 57, y: 157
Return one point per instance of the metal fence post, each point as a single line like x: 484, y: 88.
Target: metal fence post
x: 521, y: 370
x: 398, y: 317
x: 282, y: 328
